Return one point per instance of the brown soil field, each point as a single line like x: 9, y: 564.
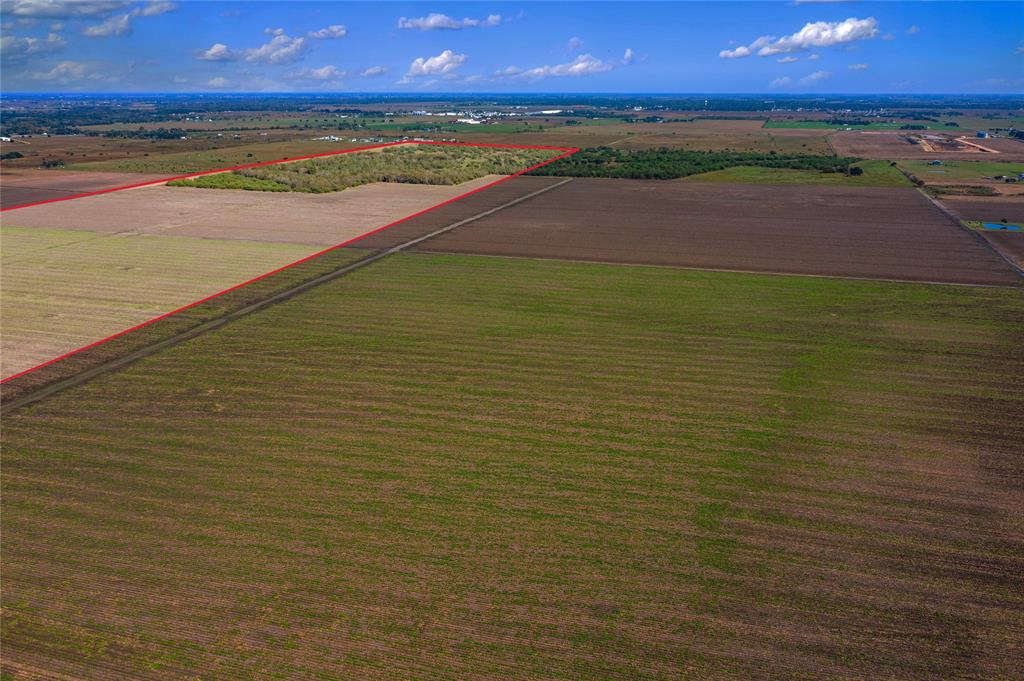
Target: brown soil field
x: 1010, y: 244
x: 987, y: 208
x: 288, y: 217
x: 892, y: 145
x: 29, y: 185
x: 834, y: 231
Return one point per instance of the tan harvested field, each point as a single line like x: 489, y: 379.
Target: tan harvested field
x: 893, y: 146
x: 286, y: 217
x: 29, y: 185
x: 62, y: 289
x: 886, y: 233
x: 988, y: 208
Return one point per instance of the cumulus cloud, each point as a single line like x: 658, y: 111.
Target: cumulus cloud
x: 814, y: 57
x: 815, y: 77
x: 788, y: 60
x: 442, y: 22
x: 281, y: 49
x: 443, y: 64
x: 322, y: 74
x: 858, y: 67
x: 1020, y: 49
x: 583, y: 65
x: 332, y: 31
x: 13, y: 48
x: 218, y: 52
x: 61, y: 9
x: 575, y: 44
x: 121, y: 24
x: 812, y: 35
x: 785, y: 81
x: 219, y: 82
x: 627, y: 56
x: 65, y: 72
x: 913, y: 30
x: 374, y: 71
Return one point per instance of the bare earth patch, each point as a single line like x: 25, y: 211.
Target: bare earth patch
x: 313, y: 219
x: 869, y: 232
x: 21, y: 186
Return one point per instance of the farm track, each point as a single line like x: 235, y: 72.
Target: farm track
x: 462, y: 467
x: 75, y: 379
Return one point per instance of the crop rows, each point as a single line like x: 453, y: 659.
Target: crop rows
x: 464, y: 467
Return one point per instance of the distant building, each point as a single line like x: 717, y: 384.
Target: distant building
x: 982, y: 134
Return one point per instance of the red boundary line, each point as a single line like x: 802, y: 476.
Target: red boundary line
x: 566, y: 152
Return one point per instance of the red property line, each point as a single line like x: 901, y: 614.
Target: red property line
x: 566, y: 152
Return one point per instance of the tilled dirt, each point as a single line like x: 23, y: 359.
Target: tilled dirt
x: 986, y: 209
x: 18, y: 187
x: 884, y: 233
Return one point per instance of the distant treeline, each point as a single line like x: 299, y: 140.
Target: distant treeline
x: 669, y: 164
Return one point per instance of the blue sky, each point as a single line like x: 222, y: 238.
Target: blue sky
x: 785, y: 47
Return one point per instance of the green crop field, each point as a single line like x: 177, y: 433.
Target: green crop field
x: 876, y: 174
x: 469, y: 467
x: 961, y: 170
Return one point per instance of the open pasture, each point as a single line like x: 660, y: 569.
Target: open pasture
x: 685, y: 475
x: 887, y: 233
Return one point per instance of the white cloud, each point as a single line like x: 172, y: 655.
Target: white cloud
x: 814, y: 57
x: 888, y: 37
x: 813, y: 34
x: 575, y: 44
x: 1020, y: 49
x: 218, y: 52
x: 281, y: 49
x: 785, y: 81
x: 442, y: 22
x: 117, y: 25
x: 374, y: 71
x: 64, y: 72
x: 583, y: 65
x: 121, y: 24
x: 913, y: 30
x: 156, y: 8
x: 858, y: 67
x: 324, y: 73
x: 815, y: 77
x: 441, y: 65
x: 218, y: 82
x: 627, y: 56
x: 332, y: 31
x: 13, y: 48
x: 61, y: 9
x: 788, y: 60
x: 739, y: 52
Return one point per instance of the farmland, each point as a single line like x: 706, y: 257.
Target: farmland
x: 688, y: 474
x: 29, y: 186
x: 61, y: 289
x: 405, y: 164
x: 874, y: 174
x: 889, y: 233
